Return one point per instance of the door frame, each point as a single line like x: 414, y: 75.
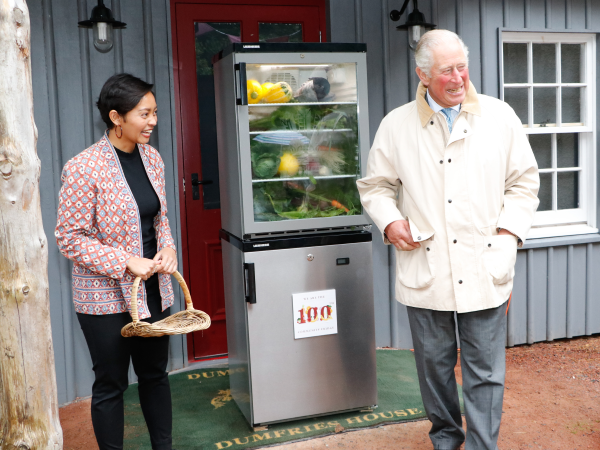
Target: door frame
x: 184, y: 250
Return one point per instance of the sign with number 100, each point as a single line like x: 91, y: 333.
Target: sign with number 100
x: 315, y: 313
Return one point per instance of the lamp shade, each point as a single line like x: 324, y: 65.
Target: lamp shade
x: 101, y: 13
x: 103, y: 22
x: 415, y: 24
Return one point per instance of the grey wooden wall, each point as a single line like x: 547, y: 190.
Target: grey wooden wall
x: 68, y: 74
x: 557, y: 287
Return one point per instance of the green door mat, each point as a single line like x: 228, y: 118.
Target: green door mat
x: 206, y: 417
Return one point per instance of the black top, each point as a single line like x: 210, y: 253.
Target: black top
x: 144, y: 195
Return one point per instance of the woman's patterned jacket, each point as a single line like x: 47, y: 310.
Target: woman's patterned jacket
x: 98, y: 228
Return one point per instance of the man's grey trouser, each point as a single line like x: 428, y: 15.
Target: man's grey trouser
x: 482, y: 355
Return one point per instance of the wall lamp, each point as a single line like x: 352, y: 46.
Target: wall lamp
x: 415, y: 24
x: 103, y: 22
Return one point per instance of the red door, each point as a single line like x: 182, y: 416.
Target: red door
x: 200, y: 30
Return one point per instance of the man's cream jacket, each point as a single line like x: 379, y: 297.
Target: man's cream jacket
x: 455, y: 190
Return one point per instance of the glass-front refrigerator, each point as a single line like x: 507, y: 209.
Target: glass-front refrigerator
x: 292, y: 129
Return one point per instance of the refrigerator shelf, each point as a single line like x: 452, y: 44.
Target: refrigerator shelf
x: 312, y: 130
x: 258, y: 105
x: 316, y: 177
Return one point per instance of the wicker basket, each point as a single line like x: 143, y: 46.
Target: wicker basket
x: 179, y: 323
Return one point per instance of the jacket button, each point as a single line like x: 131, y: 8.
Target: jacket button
x: 450, y: 160
x: 489, y: 245
x: 419, y: 238
x: 427, y: 248
x: 449, y: 200
x: 465, y: 131
x: 431, y: 122
x: 441, y: 161
x: 459, y: 281
x: 455, y: 241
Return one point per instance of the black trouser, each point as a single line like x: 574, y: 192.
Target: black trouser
x: 110, y: 354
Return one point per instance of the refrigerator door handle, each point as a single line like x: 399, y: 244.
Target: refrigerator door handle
x: 241, y: 68
x: 249, y: 284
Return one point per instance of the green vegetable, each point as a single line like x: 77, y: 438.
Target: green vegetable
x: 291, y: 200
x: 265, y: 159
x: 265, y: 166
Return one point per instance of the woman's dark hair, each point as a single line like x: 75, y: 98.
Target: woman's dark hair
x: 121, y: 92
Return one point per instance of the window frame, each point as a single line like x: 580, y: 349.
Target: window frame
x: 581, y: 220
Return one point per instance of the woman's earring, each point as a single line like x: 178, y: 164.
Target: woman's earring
x: 119, y: 137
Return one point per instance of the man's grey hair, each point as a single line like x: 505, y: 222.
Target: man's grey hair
x: 431, y: 39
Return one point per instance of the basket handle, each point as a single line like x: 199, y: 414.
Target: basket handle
x: 134, y: 291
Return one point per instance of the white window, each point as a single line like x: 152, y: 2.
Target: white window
x: 549, y: 80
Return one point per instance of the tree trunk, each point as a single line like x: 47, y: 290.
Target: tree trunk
x: 28, y: 401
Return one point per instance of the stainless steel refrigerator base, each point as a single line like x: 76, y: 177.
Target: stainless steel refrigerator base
x: 366, y: 408
x: 293, y: 378
x: 237, y: 328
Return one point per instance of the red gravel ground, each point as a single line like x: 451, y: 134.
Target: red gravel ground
x: 552, y: 402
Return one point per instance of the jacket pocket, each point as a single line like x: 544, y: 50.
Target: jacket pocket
x: 416, y: 268
x: 499, y: 257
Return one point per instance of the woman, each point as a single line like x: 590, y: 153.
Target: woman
x: 112, y: 223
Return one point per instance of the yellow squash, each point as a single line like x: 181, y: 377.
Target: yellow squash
x: 266, y: 86
x: 280, y: 92
x: 289, y: 165
x: 255, y: 91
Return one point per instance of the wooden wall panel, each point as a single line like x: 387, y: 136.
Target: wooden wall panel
x: 471, y: 35
x: 592, y: 313
x: 577, y: 15
x: 537, y: 14
x: 517, y: 313
x: 537, y: 273
x: 558, y: 14
x: 557, y: 292
x: 576, y: 290
x: 493, y: 18
x: 514, y: 13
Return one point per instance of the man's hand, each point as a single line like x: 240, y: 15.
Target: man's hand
x: 505, y: 232
x: 141, y: 267
x: 166, y: 261
x: 398, y: 233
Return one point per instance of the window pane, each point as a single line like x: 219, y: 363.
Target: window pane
x: 571, y: 106
x: 544, y: 107
x: 517, y: 98
x: 279, y: 32
x: 568, y: 190
x: 567, y: 150
x: 545, y: 194
x: 541, y: 144
x: 515, y: 63
x: 570, y: 63
x: 544, y: 63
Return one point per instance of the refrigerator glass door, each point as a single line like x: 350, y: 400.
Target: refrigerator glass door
x: 302, y: 137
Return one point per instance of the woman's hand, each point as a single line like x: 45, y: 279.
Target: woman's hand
x: 142, y: 267
x: 166, y: 261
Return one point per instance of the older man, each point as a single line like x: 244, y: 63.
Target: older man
x: 452, y: 181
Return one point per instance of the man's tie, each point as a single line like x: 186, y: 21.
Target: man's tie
x: 449, y: 114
